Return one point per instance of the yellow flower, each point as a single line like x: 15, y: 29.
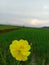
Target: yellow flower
x: 20, y: 50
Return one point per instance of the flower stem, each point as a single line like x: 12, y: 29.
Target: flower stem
x: 18, y: 63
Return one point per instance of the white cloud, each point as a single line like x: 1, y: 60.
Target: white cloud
x: 39, y: 23
x: 26, y: 22
x: 25, y: 12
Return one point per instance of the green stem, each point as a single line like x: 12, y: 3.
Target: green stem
x: 18, y: 63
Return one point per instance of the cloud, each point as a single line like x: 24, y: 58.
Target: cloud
x: 26, y: 22
x: 39, y: 23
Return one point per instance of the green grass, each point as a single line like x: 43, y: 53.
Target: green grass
x: 40, y: 46
x: 2, y: 27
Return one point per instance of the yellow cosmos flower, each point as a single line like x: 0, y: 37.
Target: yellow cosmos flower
x: 20, y: 50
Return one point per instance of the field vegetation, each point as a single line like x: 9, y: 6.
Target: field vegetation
x: 38, y: 38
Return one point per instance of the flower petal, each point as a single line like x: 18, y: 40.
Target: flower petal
x: 26, y: 53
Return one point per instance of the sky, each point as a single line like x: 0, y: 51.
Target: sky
x: 33, y: 13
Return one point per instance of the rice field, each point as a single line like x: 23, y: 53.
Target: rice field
x: 38, y: 38
x: 2, y: 27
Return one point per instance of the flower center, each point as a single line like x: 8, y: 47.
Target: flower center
x: 19, y: 51
x: 21, y: 47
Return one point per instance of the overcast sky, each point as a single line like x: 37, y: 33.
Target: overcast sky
x: 24, y: 12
